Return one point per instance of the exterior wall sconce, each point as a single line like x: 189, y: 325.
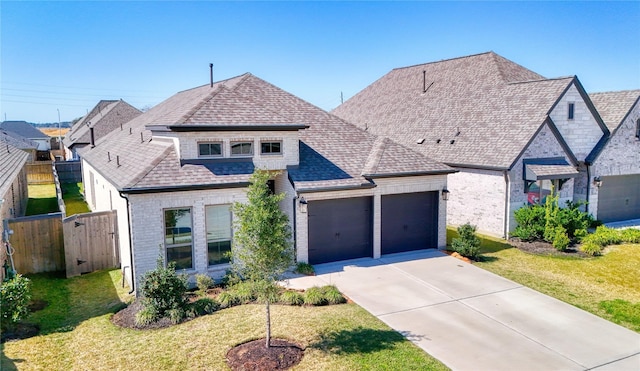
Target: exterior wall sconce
x: 302, y: 203
x: 445, y: 194
x: 597, y: 181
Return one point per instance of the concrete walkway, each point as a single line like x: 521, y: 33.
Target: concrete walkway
x: 471, y: 319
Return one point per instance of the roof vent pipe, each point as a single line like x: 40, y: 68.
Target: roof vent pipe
x: 92, y: 138
x: 424, y: 81
x: 211, y: 73
x: 118, y: 161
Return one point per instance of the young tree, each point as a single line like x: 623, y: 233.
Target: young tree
x: 262, y: 248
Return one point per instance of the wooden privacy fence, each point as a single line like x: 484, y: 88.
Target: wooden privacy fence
x: 40, y: 172
x: 79, y: 244
x: 90, y: 242
x: 37, y: 243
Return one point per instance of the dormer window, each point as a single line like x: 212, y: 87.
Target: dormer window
x: 271, y: 148
x: 241, y: 148
x: 571, y: 110
x: 210, y: 149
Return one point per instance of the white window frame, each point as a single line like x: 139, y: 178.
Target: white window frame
x: 271, y: 142
x: 210, y: 143
x: 241, y: 143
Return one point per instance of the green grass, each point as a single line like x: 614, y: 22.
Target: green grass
x: 77, y: 334
x: 607, y: 286
x: 42, y: 199
x: 72, y: 195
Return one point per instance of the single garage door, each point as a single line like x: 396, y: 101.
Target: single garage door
x: 409, y: 222
x: 619, y: 198
x: 340, y: 229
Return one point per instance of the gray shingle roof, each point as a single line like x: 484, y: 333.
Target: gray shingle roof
x: 614, y: 106
x: 106, y: 116
x: 12, y: 160
x: 480, y: 110
x: 24, y: 129
x: 17, y: 141
x: 333, y: 153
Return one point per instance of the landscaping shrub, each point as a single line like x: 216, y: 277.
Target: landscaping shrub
x: 332, y: 295
x: 575, y: 221
x: 531, y: 223
x: 202, y: 306
x: 314, y: 296
x: 305, y: 268
x: 591, y: 248
x: 551, y: 220
x: 604, y: 236
x: 245, y: 291
x: 146, y: 316
x: 468, y: 244
x: 630, y: 235
x: 228, y: 299
x: 203, y: 282
x: 15, y: 295
x: 164, y: 290
x: 291, y: 298
x: 561, y: 240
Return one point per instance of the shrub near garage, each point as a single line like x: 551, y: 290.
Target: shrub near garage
x: 468, y: 244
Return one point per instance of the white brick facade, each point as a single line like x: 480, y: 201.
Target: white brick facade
x: 582, y: 132
x: 621, y: 155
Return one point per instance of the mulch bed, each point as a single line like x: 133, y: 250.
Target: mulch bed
x: 127, y: 318
x: 24, y: 330
x: 255, y: 356
x: 546, y: 249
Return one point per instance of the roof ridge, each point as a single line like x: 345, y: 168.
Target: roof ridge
x: 215, y: 83
x: 541, y: 80
x: 445, y: 60
x: 616, y: 91
x: 151, y: 166
x: 375, y: 155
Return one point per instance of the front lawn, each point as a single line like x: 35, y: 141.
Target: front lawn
x: 607, y: 286
x: 76, y: 333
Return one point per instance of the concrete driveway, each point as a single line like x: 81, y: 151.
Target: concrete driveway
x: 471, y: 319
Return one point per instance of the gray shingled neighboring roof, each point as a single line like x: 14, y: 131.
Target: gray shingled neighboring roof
x: 17, y: 141
x: 24, y: 129
x: 477, y: 111
x: 333, y: 153
x: 614, y: 106
x: 106, y: 116
x: 12, y: 160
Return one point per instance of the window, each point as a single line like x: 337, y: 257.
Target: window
x: 178, y: 237
x: 218, y: 221
x: 210, y: 149
x: 241, y: 149
x: 538, y: 191
x: 571, y: 111
x: 271, y: 148
x: 638, y: 129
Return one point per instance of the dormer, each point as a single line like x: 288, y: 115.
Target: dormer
x: 270, y: 147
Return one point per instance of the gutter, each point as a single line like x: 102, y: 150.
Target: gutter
x: 198, y: 187
x: 340, y: 188
x: 133, y: 276
x: 412, y: 173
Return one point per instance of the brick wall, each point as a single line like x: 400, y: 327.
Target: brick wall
x: 583, y: 132
x: 621, y: 155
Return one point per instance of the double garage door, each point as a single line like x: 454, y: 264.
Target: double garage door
x: 619, y: 198
x: 342, y: 229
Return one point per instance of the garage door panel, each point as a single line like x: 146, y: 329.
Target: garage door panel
x: 340, y: 229
x: 619, y: 198
x: 409, y: 222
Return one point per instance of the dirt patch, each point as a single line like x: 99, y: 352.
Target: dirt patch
x: 36, y: 305
x: 254, y: 355
x: 457, y: 256
x: 546, y: 249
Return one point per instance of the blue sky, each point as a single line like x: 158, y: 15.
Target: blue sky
x: 69, y: 55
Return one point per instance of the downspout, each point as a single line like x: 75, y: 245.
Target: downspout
x: 586, y: 206
x: 295, y: 228
x: 506, y: 204
x: 133, y: 276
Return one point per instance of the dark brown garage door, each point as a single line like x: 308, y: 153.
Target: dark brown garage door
x: 340, y: 229
x: 409, y: 222
x: 619, y: 198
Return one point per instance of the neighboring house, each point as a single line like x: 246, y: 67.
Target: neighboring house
x: 510, y: 132
x: 25, y: 130
x: 173, y: 172
x: 616, y: 165
x: 19, y: 142
x: 13, y: 181
x: 105, y: 117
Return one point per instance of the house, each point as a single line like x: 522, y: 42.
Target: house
x: 21, y: 143
x: 13, y: 189
x: 105, y: 117
x: 173, y: 172
x: 616, y: 164
x: 511, y: 133
x: 25, y: 130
